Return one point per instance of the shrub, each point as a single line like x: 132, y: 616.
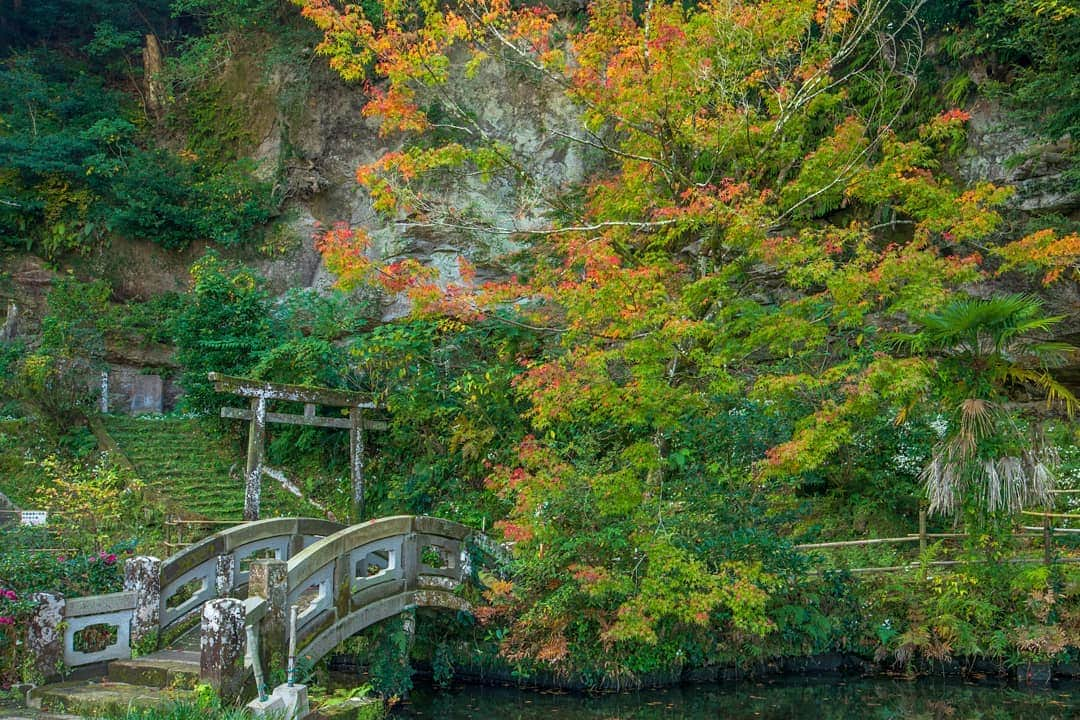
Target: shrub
x: 227, y: 324
x: 56, y: 379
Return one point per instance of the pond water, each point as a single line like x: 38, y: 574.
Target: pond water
x: 818, y: 699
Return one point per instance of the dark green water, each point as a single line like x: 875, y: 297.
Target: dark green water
x: 830, y: 699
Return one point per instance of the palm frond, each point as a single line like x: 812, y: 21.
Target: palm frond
x: 907, y: 342
x: 1056, y: 393
x: 976, y: 421
x: 999, y: 319
x: 1047, y: 353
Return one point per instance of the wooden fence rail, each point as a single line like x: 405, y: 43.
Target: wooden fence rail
x: 1045, y: 533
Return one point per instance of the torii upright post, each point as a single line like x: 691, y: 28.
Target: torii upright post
x: 261, y: 393
x: 356, y: 461
x: 253, y: 471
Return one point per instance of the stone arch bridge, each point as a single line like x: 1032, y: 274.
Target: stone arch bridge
x: 228, y: 597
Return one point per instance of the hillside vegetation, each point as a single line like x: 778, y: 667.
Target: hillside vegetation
x: 659, y: 292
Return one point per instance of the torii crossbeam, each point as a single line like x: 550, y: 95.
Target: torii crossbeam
x: 261, y: 393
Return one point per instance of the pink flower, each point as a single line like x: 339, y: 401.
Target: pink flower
x: 93, y: 559
x: 110, y: 559
x: 61, y: 558
x: 10, y: 595
x: 7, y: 620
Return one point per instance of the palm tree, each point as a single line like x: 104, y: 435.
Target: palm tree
x: 991, y: 458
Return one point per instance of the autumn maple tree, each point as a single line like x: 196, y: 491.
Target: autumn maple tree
x: 759, y: 222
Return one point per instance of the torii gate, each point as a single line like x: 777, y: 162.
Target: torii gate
x: 260, y: 393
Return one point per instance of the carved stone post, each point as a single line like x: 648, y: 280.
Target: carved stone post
x: 410, y: 560
x: 221, y: 663
x: 269, y: 579
x: 224, y: 576
x: 142, y: 575
x: 44, y: 636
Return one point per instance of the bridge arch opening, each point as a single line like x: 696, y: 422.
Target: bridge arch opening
x: 335, y: 636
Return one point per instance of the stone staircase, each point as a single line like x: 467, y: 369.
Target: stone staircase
x: 160, y: 678
x: 177, y: 459
x: 195, y: 472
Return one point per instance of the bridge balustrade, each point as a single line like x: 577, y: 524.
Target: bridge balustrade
x: 105, y: 623
x: 93, y: 629
x: 366, y: 573
x: 217, y: 566
x: 341, y: 579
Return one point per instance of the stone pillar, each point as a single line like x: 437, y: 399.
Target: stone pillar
x: 221, y: 662
x: 10, y: 330
x: 225, y: 576
x: 410, y: 560
x: 253, y: 470
x: 142, y: 575
x: 296, y: 545
x: 269, y: 580
x: 44, y: 636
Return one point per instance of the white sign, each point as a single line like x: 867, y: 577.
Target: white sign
x: 34, y: 517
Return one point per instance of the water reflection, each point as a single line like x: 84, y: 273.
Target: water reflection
x: 813, y: 700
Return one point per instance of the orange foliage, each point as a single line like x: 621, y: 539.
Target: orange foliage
x: 1044, y: 250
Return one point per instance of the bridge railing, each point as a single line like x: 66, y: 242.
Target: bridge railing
x: 340, y: 579
x: 159, y: 594
x: 98, y: 628
x: 218, y: 566
x: 359, y: 576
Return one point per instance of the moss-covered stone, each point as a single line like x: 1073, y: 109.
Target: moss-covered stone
x: 156, y: 672
x: 354, y: 709
x: 94, y: 699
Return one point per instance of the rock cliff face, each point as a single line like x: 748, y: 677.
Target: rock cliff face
x: 308, y: 135
x: 319, y: 139
x: 1006, y: 153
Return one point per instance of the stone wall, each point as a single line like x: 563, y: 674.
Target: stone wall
x: 132, y: 391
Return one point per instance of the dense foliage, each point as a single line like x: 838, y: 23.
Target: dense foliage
x: 78, y: 168
x: 759, y: 290
x: 81, y: 158
x: 31, y: 563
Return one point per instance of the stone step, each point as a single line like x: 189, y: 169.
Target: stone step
x: 191, y: 640
x: 163, y: 669
x: 103, y: 698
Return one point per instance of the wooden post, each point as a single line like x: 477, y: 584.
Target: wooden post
x: 253, y: 472
x: 1048, y: 540
x: 922, y: 532
x: 356, y: 458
